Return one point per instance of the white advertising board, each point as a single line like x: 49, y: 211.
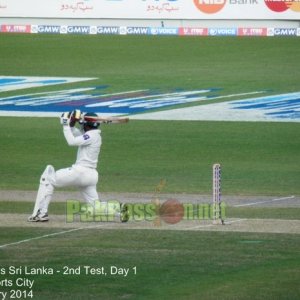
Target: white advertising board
x: 153, y: 9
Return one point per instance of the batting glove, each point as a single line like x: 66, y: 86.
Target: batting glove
x: 65, y: 119
x: 75, y: 116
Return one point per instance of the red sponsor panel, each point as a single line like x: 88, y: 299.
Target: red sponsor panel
x: 16, y: 28
x: 193, y: 31
x: 252, y: 31
x: 283, y: 5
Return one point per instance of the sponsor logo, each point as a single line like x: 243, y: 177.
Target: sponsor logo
x: 222, y: 31
x: 93, y: 99
x: 278, y: 108
x: 108, y: 30
x: 283, y: 5
x: 78, y: 29
x: 252, y: 31
x: 251, y: 2
x: 45, y: 29
x: 285, y: 31
x: 193, y: 31
x: 162, y: 6
x: 12, y: 83
x: 75, y: 29
x: 16, y: 28
x: 89, y: 99
x: 163, y: 31
x: 282, y: 107
x: 210, y: 6
x: 285, y: 106
x: 133, y: 30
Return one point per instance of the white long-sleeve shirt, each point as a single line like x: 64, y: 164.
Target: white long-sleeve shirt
x: 89, y: 144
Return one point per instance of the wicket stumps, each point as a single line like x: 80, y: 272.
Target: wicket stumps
x: 217, y: 219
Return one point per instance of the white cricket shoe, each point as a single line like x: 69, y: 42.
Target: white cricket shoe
x: 39, y: 217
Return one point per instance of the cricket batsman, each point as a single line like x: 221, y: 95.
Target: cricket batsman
x: 82, y: 174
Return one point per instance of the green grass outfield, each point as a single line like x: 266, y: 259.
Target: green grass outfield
x: 169, y: 264
x: 256, y: 158
x: 139, y: 62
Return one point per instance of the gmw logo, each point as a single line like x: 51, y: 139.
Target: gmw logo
x: 283, y: 5
x: 210, y: 6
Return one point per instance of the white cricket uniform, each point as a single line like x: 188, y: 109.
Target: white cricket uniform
x: 83, y: 174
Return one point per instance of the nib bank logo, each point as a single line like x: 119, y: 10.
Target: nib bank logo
x: 283, y: 5
x: 210, y: 6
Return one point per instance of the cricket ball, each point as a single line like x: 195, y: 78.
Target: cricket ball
x: 171, y: 211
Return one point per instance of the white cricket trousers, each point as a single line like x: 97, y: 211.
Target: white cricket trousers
x: 82, y: 177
